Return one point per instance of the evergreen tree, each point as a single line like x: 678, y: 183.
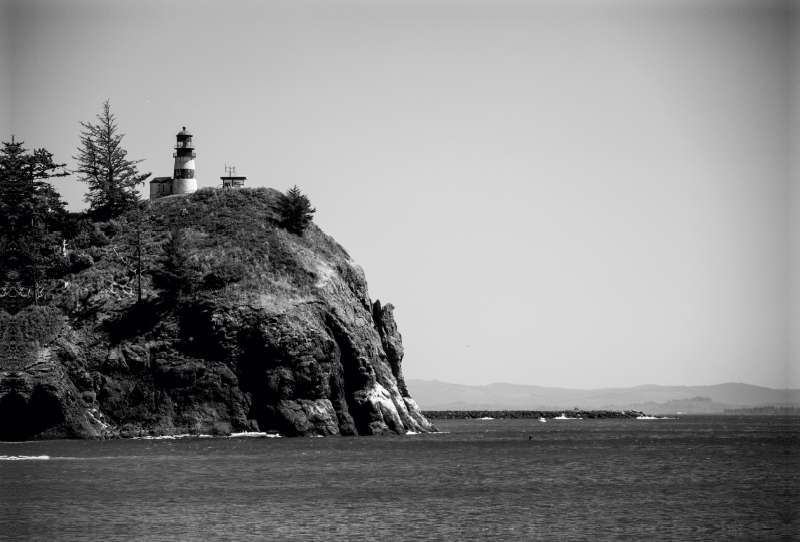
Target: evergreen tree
x: 102, y: 164
x: 26, y: 198
x: 176, y: 274
x: 134, y: 240
x: 294, y: 211
x: 30, y: 209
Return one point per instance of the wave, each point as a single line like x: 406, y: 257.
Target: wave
x: 245, y: 434
x: 24, y: 457
x: 173, y: 437
x: 648, y: 418
x: 485, y: 418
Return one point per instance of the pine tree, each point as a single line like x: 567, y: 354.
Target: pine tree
x: 294, y: 211
x: 30, y: 209
x: 25, y: 195
x: 176, y: 274
x: 102, y: 164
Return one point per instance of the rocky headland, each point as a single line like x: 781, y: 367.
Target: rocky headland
x: 273, y: 332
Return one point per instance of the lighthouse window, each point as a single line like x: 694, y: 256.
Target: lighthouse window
x: 184, y: 174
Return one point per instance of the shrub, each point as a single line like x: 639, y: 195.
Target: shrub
x: 224, y: 274
x: 78, y: 261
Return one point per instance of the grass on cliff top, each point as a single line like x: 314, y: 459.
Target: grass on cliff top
x: 243, y: 220
x: 237, y: 251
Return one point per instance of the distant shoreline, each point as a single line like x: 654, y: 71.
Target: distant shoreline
x: 530, y: 414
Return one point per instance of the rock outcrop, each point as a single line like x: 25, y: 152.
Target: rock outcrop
x: 294, y: 346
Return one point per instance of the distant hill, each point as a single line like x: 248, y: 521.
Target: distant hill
x: 438, y: 395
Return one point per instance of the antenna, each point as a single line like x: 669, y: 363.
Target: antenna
x: 230, y: 170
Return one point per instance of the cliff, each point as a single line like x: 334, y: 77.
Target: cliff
x: 272, y: 332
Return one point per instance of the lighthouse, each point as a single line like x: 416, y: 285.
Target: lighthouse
x: 183, y: 180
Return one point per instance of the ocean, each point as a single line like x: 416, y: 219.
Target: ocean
x: 693, y: 478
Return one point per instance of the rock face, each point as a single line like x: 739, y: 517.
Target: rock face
x: 37, y: 398
x: 317, y: 360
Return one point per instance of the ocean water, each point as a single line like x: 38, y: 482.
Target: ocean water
x: 695, y: 478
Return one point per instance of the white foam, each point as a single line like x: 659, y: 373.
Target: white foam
x: 563, y: 417
x: 245, y: 434
x: 485, y: 418
x: 24, y: 457
x: 173, y: 437
x: 648, y: 418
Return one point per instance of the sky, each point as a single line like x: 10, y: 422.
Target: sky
x: 559, y: 193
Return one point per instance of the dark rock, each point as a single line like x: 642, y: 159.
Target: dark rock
x: 42, y: 402
x: 309, y: 357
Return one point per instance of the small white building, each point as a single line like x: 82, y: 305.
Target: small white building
x: 183, y: 180
x: 232, y: 180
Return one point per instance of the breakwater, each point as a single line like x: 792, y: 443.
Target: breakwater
x: 523, y: 414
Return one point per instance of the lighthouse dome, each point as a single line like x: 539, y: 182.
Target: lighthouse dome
x: 184, y: 132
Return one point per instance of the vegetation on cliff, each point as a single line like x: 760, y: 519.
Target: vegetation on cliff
x: 30, y: 208
x: 204, y: 314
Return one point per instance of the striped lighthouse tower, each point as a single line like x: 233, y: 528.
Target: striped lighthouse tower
x: 184, y: 181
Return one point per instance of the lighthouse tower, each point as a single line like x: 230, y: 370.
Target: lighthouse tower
x: 184, y: 181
